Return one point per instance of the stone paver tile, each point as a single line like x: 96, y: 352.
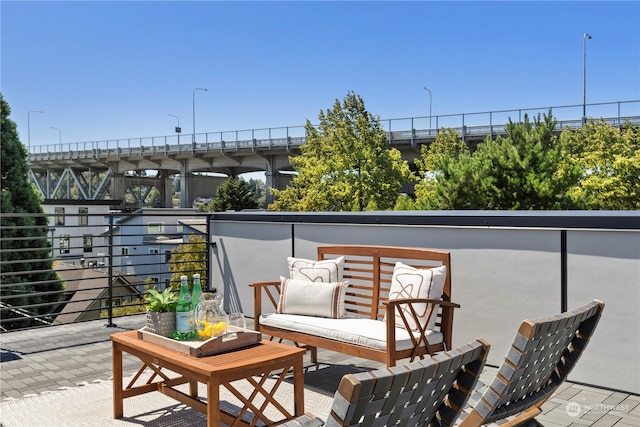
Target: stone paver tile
x: 607, y: 420
x: 615, y: 398
x: 16, y: 384
x: 566, y: 395
x: 550, y: 406
x: 51, y: 375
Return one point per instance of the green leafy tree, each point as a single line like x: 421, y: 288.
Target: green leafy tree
x: 188, y: 259
x: 153, y: 198
x: 525, y: 170
x: 234, y: 194
x: 609, y: 158
x: 28, y: 278
x: 345, y: 165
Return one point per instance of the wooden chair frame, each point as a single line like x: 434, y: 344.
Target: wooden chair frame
x: 433, y: 391
x: 543, y: 353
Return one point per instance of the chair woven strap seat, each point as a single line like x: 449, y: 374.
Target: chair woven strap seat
x: 543, y: 353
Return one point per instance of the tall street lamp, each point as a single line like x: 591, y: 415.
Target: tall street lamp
x: 430, y: 98
x: 29, y: 128
x: 59, y: 136
x: 178, y: 128
x: 584, y: 77
x: 193, y: 141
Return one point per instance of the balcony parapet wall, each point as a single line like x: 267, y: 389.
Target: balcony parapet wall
x: 506, y: 267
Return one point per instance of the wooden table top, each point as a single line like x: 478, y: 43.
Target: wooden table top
x: 264, y: 353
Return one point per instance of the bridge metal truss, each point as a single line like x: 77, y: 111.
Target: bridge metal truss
x: 91, y: 184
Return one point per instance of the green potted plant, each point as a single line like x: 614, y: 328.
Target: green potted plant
x: 161, y: 312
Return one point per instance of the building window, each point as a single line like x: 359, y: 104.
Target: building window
x: 155, y: 227
x: 125, y: 251
x: 64, y: 244
x: 154, y: 251
x: 59, y: 216
x: 87, y: 243
x: 83, y: 217
x: 154, y: 279
x: 167, y: 256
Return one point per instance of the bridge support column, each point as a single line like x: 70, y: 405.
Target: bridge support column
x: 118, y: 187
x: 185, y: 185
x: 269, y: 183
x: 276, y: 180
x: 165, y: 186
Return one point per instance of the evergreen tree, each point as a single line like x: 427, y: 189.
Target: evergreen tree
x: 525, y: 170
x: 234, y: 194
x: 259, y: 187
x: 28, y: 279
x: 447, y: 147
x: 345, y: 165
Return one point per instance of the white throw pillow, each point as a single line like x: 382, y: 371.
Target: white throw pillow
x: 411, y: 282
x: 312, y: 298
x: 328, y: 270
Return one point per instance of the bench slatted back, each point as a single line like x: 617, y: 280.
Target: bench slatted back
x: 369, y: 270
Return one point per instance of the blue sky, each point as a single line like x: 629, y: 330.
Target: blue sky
x: 110, y: 70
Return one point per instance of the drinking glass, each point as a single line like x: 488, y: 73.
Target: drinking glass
x: 237, y: 322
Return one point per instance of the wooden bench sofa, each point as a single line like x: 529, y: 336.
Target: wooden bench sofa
x: 374, y: 327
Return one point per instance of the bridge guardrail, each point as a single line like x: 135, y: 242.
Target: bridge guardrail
x: 401, y: 129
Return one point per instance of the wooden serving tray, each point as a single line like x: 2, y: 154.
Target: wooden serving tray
x: 230, y: 341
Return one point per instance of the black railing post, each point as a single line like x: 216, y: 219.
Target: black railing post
x: 110, y: 274
x: 563, y: 271
x: 210, y: 247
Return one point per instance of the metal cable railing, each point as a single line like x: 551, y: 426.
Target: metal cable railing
x: 82, y: 266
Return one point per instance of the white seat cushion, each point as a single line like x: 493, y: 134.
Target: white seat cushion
x: 360, y: 331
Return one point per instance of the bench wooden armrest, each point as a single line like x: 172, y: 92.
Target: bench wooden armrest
x: 271, y: 290
x: 409, y: 316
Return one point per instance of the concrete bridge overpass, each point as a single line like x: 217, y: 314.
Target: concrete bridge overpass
x: 97, y: 170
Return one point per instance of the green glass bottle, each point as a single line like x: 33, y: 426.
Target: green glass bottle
x: 184, y: 313
x: 196, y: 291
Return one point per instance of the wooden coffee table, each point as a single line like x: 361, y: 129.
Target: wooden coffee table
x: 170, y: 368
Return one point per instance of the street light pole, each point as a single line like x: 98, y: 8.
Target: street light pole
x: 59, y: 136
x: 584, y: 77
x: 178, y: 119
x: 193, y: 141
x: 29, y: 128
x: 430, y: 98
x: 178, y: 128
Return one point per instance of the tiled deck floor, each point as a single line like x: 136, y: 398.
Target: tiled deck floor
x: 47, y: 359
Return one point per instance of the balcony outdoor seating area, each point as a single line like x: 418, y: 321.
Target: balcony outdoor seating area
x: 61, y: 376
x: 504, y: 269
